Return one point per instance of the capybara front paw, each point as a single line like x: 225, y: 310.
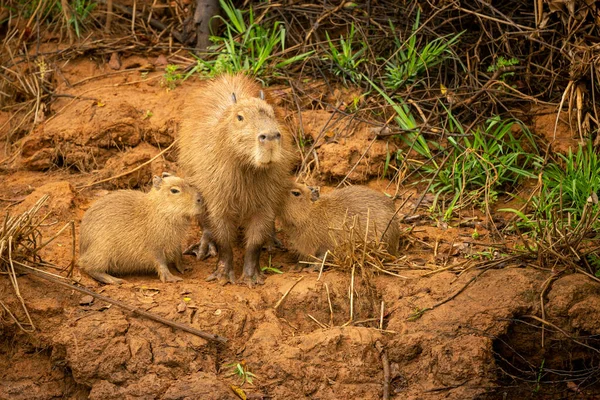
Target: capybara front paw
x: 222, y: 274
x: 202, y: 250
x: 253, y: 280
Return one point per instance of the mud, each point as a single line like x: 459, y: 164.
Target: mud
x: 308, y: 347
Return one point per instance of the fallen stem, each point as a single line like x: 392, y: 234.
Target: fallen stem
x: 135, y: 311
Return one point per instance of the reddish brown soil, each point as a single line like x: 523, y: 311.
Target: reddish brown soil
x: 466, y: 348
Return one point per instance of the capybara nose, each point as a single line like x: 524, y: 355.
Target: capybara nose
x: 267, y: 137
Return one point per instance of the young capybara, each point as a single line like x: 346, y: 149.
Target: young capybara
x: 315, y: 226
x: 130, y: 231
x: 234, y: 149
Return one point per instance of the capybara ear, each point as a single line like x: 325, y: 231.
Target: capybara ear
x: 157, y: 182
x: 261, y: 94
x: 315, y: 193
x: 233, y: 98
x: 166, y: 174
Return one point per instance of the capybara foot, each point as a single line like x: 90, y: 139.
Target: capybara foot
x: 180, y: 267
x: 273, y: 244
x: 166, y: 275
x: 202, y: 250
x: 252, y: 280
x: 105, y: 278
x: 223, y: 274
x: 298, y: 267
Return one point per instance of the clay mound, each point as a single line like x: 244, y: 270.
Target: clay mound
x: 86, y: 133
x: 345, y: 150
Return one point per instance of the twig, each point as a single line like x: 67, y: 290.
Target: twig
x: 287, y: 292
x: 322, y: 265
x: 459, y: 291
x: 386, y: 370
x: 330, y: 306
x: 544, y: 322
x: 545, y: 287
x: 317, y: 321
x: 135, y: 311
x: 131, y: 171
x: 381, y: 315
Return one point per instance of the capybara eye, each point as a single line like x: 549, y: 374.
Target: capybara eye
x: 175, y: 190
x: 240, y: 118
x: 296, y: 193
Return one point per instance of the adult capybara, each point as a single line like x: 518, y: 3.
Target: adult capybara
x: 130, y: 231
x: 234, y: 149
x: 315, y: 226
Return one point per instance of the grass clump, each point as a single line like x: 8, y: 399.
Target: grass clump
x: 344, y: 58
x: 569, y: 182
x: 80, y: 11
x: 246, y: 46
x: 409, y: 61
x: 482, y: 164
x: 569, y: 189
x: 171, y: 78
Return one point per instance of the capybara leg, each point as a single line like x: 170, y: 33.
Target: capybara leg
x: 179, y: 263
x: 252, y: 274
x: 303, y: 262
x: 273, y: 243
x: 105, y: 278
x: 205, y: 248
x: 165, y: 275
x: 224, y: 271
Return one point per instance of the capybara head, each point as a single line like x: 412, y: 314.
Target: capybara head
x: 254, y: 129
x: 298, y: 203
x: 176, y: 196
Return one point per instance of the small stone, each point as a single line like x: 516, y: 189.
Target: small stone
x: 161, y: 61
x: 86, y: 300
x: 115, y: 61
x: 181, y: 307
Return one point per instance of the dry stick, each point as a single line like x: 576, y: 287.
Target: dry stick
x: 386, y: 370
x: 321, y: 18
x: 47, y: 242
x: 356, y: 164
x: 135, y: 311
x: 489, y: 83
x: 351, y: 296
x: 394, y: 216
x: 109, y: 15
x: 562, y: 101
x: 544, y: 322
x: 317, y: 321
x: 131, y: 171
x: 65, y: 7
x: 421, y: 312
x: 545, y: 287
x: 287, y: 292
x: 133, y: 17
x: 72, y: 265
x: 322, y: 265
x: 381, y: 315
x: 418, y: 203
x: 330, y: 306
x: 153, y: 22
x: 13, y: 280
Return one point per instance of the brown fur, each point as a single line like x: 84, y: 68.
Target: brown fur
x: 130, y: 231
x: 242, y: 180
x: 314, y: 227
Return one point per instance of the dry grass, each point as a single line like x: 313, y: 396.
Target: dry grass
x: 20, y: 238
